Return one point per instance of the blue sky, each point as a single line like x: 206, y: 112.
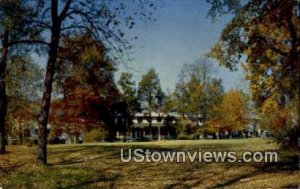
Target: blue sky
x: 181, y: 34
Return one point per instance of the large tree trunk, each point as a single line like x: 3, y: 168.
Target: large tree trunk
x: 3, y: 97
x: 46, y: 99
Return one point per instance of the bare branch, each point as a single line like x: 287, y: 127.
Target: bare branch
x: 73, y: 27
x: 65, y: 10
x: 28, y: 42
x: 42, y: 24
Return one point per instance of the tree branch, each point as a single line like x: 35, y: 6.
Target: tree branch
x: 65, y: 10
x: 74, y: 27
x: 276, y: 50
x: 42, y: 24
x: 28, y: 42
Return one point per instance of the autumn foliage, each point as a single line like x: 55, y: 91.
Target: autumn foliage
x: 86, y: 82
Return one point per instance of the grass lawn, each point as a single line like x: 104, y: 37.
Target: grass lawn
x: 98, y: 165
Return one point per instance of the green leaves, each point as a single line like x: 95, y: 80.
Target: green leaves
x: 150, y: 94
x: 128, y: 92
x: 197, y: 91
x: 24, y: 79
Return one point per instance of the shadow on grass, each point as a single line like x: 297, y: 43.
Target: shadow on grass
x: 115, y: 153
x: 10, y: 169
x: 292, y: 186
x: 274, y: 167
x: 181, y: 182
x: 289, y: 165
x: 87, y: 183
x: 78, y: 159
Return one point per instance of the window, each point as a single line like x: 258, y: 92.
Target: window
x: 159, y: 119
x: 140, y: 119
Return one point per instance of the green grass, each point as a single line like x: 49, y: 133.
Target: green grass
x: 98, y: 165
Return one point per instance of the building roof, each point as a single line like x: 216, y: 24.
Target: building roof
x: 156, y: 114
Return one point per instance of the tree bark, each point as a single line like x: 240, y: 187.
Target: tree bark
x: 46, y: 99
x: 20, y: 132
x: 3, y: 96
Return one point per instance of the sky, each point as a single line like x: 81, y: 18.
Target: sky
x: 181, y: 34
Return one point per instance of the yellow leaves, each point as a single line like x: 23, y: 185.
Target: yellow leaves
x: 263, y: 66
x: 217, y: 53
x: 270, y: 105
x: 271, y: 48
x: 90, y: 55
x: 232, y: 113
x: 216, y: 50
x: 248, y: 51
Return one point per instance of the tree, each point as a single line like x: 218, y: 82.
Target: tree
x: 197, y: 91
x: 128, y: 105
x: 84, y: 76
x: 24, y: 78
x: 128, y: 92
x: 16, y: 29
x: 150, y: 94
x: 100, y: 19
x: 181, y: 95
x: 273, y: 117
x: 169, y: 102
x: 232, y: 114
x: 187, y: 129
x: 266, y: 35
x: 24, y: 83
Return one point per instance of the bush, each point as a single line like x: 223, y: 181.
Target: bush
x: 95, y: 135
x: 186, y: 129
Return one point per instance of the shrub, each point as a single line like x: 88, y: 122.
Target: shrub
x: 95, y: 135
